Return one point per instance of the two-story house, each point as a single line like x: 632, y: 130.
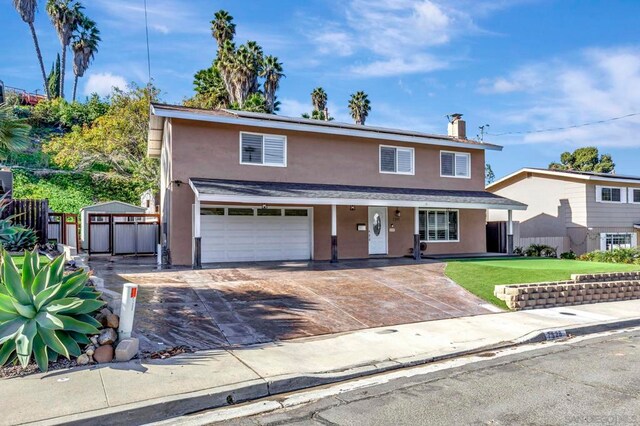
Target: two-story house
x: 240, y: 186
x: 592, y: 211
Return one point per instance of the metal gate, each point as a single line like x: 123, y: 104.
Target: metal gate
x: 121, y: 233
x: 63, y: 228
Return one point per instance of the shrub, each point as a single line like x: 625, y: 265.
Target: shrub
x: 22, y: 239
x: 570, y: 255
x: 518, y: 251
x: 619, y: 255
x: 43, y: 312
x: 540, y: 250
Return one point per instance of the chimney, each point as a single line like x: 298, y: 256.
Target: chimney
x: 457, y: 127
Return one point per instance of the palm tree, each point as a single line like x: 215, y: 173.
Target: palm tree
x: 222, y: 28
x: 319, y: 99
x: 27, y: 11
x: 360, y: 106
x: 84, y: 47
x: 272, y: 73
x: 65, y: 17
x: 14, y: 132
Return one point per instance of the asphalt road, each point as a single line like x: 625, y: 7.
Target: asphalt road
x: 592, y: 382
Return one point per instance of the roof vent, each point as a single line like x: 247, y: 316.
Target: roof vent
x: 457, y: 126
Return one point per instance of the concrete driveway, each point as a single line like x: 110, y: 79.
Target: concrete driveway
x: 246, y: 304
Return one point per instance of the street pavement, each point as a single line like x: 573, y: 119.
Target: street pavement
x: 587, y: 382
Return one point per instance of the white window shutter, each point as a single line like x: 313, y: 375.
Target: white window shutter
x: 634, y: 239
x: 274, y: 150
x: 405, y: 160
x: 598, y: 194
x: 462, y: 165
x: 603, y: 242
x: 623, y: 195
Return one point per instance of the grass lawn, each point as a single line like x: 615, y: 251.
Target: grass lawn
x: 19, y: 260
x: 479, y: 276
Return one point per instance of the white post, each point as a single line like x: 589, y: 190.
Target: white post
x: 416, y: 233
x: 334, y: 234
x: 509, y: 231
x: 159, y: 254
x: 127, y: 310
x: 196, y: 219
x: 197, y: 247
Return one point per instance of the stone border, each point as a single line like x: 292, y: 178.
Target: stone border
x: 581, y: 289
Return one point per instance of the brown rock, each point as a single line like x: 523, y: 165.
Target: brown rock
x: 107, y: 336
x: 83, y: 359
x: 103, y: 354
x: 113, y: 321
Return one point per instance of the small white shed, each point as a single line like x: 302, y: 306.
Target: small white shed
x: 106, y: 207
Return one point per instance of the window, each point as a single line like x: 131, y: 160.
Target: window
x: 609, y: 194
x: 269, y: 212
x: 240, y: 212
x: 396, y: 160
x: 215, y: 211
x: 454, y: 164
x: 296, y: 212
x: 439, y: 225
x: 634, y: 195
x: 617, y: 240
x: 263, y: 150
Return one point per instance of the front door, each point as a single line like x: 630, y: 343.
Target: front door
x: 377, y: 230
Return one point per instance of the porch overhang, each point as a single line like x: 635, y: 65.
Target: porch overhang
x: 253, y: 192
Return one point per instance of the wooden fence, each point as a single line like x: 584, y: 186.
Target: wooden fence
x: 63, y: 228
x: 123, y: 233
x: 33, y: 214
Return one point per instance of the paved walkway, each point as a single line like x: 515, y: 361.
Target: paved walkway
x: 158, y: 389
x: 246, y: 304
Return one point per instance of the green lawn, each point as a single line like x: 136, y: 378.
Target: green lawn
x: 479, y: 276
x: 19, y: 260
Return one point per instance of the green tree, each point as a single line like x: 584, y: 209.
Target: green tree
x: 272, y: 73
x: 14, y: 132
x: 319, y: 102
x: 222, y: 28
x: 84, y: 46
x: 587, y: 159
x: 489, y: 176
x: 65, y: 17
x: 360, y: 106
x: 53, y: 80
x: 27, y: 11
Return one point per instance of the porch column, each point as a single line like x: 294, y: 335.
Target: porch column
x: 416, y: 233
x: 334, y: 234
x: 197, y: 241
x: 510, y: 232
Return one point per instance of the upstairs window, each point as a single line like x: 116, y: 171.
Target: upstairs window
x: 634, y: 195
x: 396, y: 160
x: 263, y: 150
x: 455, y: 164
x: 610, y: 194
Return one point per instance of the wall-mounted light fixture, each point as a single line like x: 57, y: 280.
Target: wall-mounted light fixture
x: 177, y: 182
x: 264, y: 207
x: 397, y: 213
x: 352, y: 208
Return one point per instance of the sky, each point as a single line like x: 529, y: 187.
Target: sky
x: 517, y: 65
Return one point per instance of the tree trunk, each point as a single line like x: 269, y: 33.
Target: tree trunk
x: 75, y: 86
x: 44, y: 74
x: 62, y: 68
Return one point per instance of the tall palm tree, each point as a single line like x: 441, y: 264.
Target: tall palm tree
x: 14, y: 132
x: 360, y: 106
x: 84, y: 47
x: 65, y: 17
x: 225, y: 62
x: 319, y: 99
x: 272, y: 73
x: 27, y: 11
x: 222, y: 28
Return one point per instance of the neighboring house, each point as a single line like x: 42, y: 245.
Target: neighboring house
x: 240, y: 186
x: 108, y: 207
x: 148, y: 201
x: 6, y: 181
x: 592, y: 211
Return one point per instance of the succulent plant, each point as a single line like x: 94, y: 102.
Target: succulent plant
x: 22, y: 239
x: 44, y: 312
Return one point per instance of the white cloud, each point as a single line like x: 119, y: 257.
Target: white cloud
x: 103, y: 83
x: 398, y: 66
x: 293, y: 107
x: 597, y: 84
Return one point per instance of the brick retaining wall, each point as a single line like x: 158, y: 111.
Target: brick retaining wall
x: 586, y: 288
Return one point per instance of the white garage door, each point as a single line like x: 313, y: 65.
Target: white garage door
x: 240, y: 234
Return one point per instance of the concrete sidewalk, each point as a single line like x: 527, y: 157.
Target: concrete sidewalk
x: 139, y: 392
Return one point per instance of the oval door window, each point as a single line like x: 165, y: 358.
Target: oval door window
x: 377, y: 224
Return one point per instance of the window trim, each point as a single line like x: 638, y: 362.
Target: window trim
x: 428, y: 241
x: 623, y: 194
x: 413, y: 160
x: 630, y: 195
x: 263, y: 164
x: 633, y: 242
x: 456, y: 153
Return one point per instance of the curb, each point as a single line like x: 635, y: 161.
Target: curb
x: 179, y: 405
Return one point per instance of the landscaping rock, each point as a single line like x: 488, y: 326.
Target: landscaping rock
x: 90, y: 350
x: 94, y: 340
x: 113, y: 321
x: 83, y: 359
x: 127, y: 349
x: 107, y: 337
x: 103, y: 354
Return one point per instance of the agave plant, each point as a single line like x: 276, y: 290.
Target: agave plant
x: 43, y: 312
x: 22, y: 239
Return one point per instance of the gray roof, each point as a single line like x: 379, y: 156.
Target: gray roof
x: 596, y: 174
x: 254, y: 189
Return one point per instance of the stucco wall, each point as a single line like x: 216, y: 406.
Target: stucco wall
x: 610, y: 214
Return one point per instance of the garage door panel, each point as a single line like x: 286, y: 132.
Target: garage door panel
x: 255, y: 238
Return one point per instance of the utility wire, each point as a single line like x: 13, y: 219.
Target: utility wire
x: 575, y: 126
x: 146, y: 27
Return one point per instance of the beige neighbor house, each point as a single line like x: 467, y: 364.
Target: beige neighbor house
x: 240, y: 186
x: 587, y: 211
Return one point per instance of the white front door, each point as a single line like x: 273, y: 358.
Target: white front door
x: 377, y: 230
